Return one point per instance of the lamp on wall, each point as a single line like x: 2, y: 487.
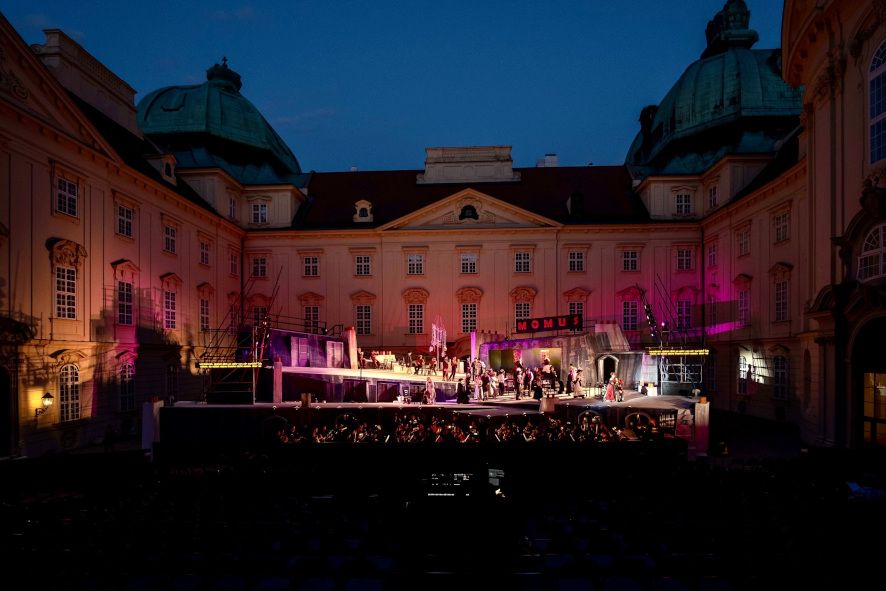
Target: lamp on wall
x: 47, y: 401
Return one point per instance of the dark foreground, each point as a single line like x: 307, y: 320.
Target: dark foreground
x: 351, y: 517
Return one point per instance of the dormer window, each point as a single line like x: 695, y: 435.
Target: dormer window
x: 468, y: 212
x: 363, y: 211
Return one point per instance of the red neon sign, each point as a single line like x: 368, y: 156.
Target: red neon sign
x: 570, y: 322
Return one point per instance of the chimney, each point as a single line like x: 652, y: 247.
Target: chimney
x: 549, y: 161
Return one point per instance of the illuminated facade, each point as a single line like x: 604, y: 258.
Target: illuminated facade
x: 748, y: 215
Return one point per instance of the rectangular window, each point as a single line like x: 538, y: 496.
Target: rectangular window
x: 364, y: 319
x: 312, y: 319
x: 127, y: 387
x: 468, y: 263
x: 204, y: 314
x: 363, y: 265
x: 232, y: 208
x: 684, y: 314
x: 712, y: 196
x: 259, y: 213
x: 468, y: 317
x: 577, y: 308
x: 234, y: 262
x: 780, y: 377
x: 878, y: 139
x: 629, y: 315
x: 629, y: 260
x: 259, y: 267
x: 169, y: 235
x: 744, y: 308
x: 415, y: 264
x: 258, y: 314
x: 124, y: 303
x: 684, y: 204
x: 712, y: 254
x: 416, y: 318
x: 69, y: 393
x: 744, y: 242
x: 169, y: 310
x: 781, y: 301
x: 712, y: 311
x: 65, y: 292
x: 312, y: 266
x: 125, y: 216
x: 782, y: 222
x: 684, y: 259
x: 522, y: 311
x: 204, y: 253
x: 743, y: 375
x: 66, y: 197
x: 576, y: 261
x: 522, y: 262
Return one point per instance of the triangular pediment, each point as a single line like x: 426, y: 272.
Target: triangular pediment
x: 469, y: 209
x: 28, y: 86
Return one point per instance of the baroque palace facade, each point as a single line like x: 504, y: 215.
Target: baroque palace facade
x: 749, y: 213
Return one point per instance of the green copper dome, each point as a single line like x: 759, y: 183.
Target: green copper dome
x: 731, y: 101
x: 213, y: 125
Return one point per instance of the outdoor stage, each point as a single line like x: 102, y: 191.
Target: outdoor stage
x: 195, y: 426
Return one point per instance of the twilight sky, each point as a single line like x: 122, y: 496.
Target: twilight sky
x: 372, y: 83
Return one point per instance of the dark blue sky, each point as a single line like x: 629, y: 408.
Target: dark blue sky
x: 372, y: 83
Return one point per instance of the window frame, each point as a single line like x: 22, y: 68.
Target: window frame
x: 575, y: 261
x: 468, y: 317
x: 259, y: 266
x: 258, y: 213
x: 63, y: 203
x: 363, y: 319
x: 876, y: 122
x: 630, y: 315
x: 523, y: 261
x: 69, y: 393
x: 125, y: 225
x: 363, y: 265
x: 468, y: 263
x: 310, y: 265
x: 66, y: 279
x: 126, y: 389
x: 415, y: 263
x: 125, y: 303
x: 415, y: 315
x: 630, y: 260
x: 170, y: 309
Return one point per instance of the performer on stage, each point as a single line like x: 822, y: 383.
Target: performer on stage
x: 610, y: 388
x: 430, y: 395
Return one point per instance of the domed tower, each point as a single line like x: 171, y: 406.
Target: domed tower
x: 212, y: 126
x: 732, y: 101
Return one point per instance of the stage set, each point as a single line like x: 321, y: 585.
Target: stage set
x: 300, y: 399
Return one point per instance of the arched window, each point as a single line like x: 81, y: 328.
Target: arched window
x: 872, y: 261
x: 69, y: 393
x: 877, y: 98
x: 127, y: 387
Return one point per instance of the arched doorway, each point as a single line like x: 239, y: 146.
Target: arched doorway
x: 605, y: 366
x: 6, y: 430
x: 868, y: 410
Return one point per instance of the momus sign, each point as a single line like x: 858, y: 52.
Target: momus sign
x: 570, y: 322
